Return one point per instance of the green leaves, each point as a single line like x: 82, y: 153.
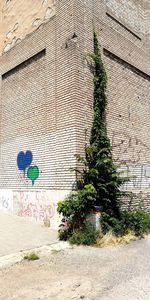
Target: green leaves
x: 102, y: 172
x: 78, y: 201
x: 136, y: 221
x: 100, y: 181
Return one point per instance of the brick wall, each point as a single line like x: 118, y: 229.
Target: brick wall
x: 38, y: 111
x: 126, y: 61
x: 38, y: 114
x: 47, y: 102
x: 132, y: 13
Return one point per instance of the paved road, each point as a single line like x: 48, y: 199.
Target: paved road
x: 18, y: 234
x: 113, y: 273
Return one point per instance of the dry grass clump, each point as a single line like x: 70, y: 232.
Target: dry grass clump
x: 31, y: 256
x: 109, y: 239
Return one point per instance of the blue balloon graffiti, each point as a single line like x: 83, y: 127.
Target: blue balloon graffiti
x: 24, y: 160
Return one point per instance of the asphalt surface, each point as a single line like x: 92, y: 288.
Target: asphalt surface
x: 112, y: 273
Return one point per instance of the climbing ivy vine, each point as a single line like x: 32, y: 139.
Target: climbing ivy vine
x: 100, y: 183
x: 102, y: 172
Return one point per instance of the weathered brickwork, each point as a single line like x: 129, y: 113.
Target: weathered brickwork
x: 126, y: 60
x: 132, y: 13
x: 19, y: 18
x: 47, y: 100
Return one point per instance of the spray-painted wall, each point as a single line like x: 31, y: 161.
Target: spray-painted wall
x: 37, y: 136
x: 46, y: 107
x: 39, y: 206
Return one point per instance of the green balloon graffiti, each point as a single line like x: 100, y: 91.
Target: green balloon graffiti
x: 33, y: 173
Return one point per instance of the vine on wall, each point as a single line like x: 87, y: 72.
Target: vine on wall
x: 100, y: 182
x: 101, y: 171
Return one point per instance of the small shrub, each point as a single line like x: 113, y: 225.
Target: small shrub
x: 74, y: 210
x: 136, y: 221
x: 86, y: 236
x: 64, y: 233
x: 31, y: 256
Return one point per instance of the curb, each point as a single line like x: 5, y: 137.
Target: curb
x: 12, y: 259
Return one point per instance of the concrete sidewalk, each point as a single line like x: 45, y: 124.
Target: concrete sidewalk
x: 17, y: 234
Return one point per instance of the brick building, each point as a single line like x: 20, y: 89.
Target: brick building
x: 46, y: 96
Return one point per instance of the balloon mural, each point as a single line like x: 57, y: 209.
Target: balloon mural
x: 24, y: 161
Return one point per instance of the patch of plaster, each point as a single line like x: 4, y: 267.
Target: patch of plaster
x: 7, y: 47
x: 8, y: 34
x: 19, y: 18
x: 18, y: 41
x: 49, y: 13
x: 37, y: 22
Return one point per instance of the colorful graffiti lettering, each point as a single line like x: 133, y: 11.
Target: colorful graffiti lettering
x: 38, y: 212
x: 24, y: 161
x: 35, y: 205
x: 38, y: 205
